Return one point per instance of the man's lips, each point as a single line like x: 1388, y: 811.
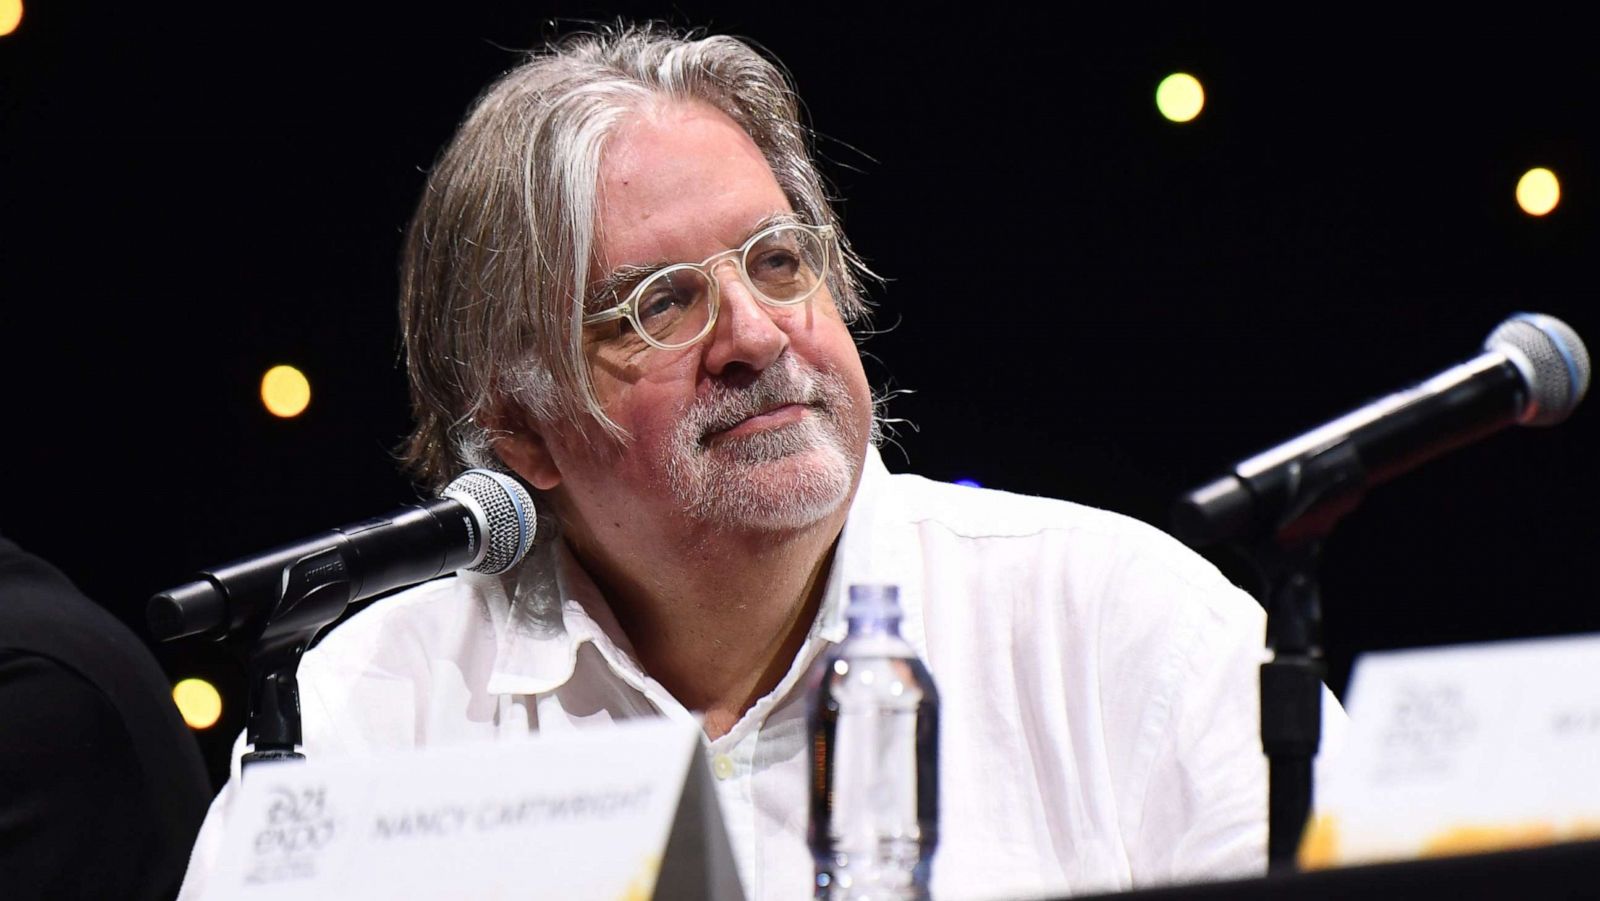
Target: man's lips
x: 772, y: 417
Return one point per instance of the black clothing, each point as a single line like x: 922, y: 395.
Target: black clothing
x: 102, y: 787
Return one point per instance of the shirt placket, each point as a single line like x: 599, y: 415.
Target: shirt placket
x: 731, y: 761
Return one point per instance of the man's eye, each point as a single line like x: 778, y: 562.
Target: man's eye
x: 657, y: 304
x: 778, y: 263
x: 667, y: 297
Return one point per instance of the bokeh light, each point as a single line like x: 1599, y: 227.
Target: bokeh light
x: 1538, y: 191
x: 10, y: 16
x: 198, y: 702
x: 285, y: 391
x: 1179, y: 97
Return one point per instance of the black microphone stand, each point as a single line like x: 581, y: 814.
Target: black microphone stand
x: 1291, y: 693
x: 1323, y: 486
x: 315, y: 591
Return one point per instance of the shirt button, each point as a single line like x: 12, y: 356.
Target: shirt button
x: 721, y: 766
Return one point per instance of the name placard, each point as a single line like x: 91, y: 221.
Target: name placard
x: 623, y: 812
x: 1463, y: 749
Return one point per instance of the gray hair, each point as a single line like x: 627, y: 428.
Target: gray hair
x: 497, y: 256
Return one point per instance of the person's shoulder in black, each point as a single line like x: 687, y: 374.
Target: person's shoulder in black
x: 102, y: 787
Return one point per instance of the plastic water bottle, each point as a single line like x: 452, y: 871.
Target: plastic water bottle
x: 874, y: 720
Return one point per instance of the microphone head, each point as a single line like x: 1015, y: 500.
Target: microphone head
x: 508, y: 517
x: 1553, y: 360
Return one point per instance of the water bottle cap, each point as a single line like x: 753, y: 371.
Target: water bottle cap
x: 873, y: 602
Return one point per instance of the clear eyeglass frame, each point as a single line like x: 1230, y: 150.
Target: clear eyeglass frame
x: 629, y: 308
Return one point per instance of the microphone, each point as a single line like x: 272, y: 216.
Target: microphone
x: 1534, y: 370
x: 483, y: 521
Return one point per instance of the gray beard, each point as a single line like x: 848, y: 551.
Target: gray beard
x: 750, y: 481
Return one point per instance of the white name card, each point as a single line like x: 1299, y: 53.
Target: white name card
x: 622, y: 812
x: 1463, y: 749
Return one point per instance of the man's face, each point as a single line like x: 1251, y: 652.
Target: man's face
x: 762, y: 425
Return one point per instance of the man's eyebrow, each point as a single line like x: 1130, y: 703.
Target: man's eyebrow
x: 781, y: 218
x: 609, y: 291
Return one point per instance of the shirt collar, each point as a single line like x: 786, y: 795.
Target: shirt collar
x: 879, y: 546
x: 554, y: 608
x: 551, y: 607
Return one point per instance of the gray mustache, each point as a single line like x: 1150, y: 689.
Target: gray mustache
x: 726, y: 407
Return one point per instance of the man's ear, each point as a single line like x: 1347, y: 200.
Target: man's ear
x: 524, y: 450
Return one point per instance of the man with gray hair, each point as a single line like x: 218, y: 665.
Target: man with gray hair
x: 625, y: 285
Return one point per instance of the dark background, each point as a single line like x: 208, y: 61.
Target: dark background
x: 1089, y: 302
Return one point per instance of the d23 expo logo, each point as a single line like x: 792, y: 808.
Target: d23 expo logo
x: 298, y: 826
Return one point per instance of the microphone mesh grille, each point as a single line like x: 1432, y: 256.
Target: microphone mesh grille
x: 1559, y: 362
x: 510, y: 512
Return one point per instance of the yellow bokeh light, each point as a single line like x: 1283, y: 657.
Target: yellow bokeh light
x: 198, y: 702
x: 1179, y: 97
x: 1538, y: 191
x: 10, y: 16
x: 285, y: 391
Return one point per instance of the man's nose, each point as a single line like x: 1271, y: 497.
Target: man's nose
x: 747, y: 333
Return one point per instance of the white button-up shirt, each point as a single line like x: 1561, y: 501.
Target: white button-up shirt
x: 1098, y: 686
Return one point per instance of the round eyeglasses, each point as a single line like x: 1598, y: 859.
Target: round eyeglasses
x: 676, y: 306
